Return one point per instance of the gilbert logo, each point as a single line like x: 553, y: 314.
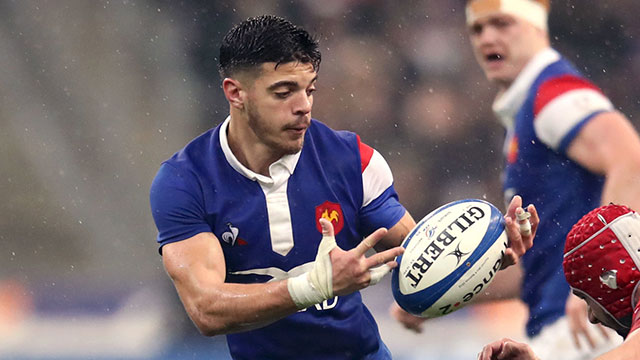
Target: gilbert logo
x: 231, y: 236
x: 332, y: 212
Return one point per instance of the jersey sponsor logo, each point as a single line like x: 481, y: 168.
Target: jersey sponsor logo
x: 332, y: 212
x: 231, y: 236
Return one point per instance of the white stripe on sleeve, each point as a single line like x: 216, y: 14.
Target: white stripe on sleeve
x: 376, y: 178
x: 566, y: 111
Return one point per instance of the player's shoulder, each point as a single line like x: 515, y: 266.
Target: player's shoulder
x: 562, y: 80
x: 344, y: 143
x: 323, y: 132
x: 197, y: 151
x: 325, y: 139
x: 562, y: 76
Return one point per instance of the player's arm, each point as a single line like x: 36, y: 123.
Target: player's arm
x: 629, y: 350
x: 397, y: 233
x: 609, y: 145
x: 197, y: 268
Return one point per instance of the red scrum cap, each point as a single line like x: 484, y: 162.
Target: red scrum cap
x: 533, y: 11
x: 602, y: 257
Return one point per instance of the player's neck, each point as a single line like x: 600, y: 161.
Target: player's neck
x: 248, y: 150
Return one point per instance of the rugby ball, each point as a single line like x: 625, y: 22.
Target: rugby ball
x: 450, y: 256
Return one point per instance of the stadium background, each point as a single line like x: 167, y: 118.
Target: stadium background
x: 95, y: 94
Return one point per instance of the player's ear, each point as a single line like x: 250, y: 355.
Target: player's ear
x: 234, y: 92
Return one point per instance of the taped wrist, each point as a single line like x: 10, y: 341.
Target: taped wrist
x: 315, y: 285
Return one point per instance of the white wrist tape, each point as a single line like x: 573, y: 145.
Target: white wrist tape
x: 525, y: 227
x: 316, y: 285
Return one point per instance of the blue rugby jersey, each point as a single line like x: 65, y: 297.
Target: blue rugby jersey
x: 543, y: 111
x: 268, y: 229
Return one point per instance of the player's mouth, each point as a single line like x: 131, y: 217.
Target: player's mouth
x: 494, y: 59
x: 297, y: 129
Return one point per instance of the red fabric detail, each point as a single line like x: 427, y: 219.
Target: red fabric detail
x: 555, y: 87
x: 635, y: 324
x: 366, y: 152
x: 241, y: 242
x: 604, y: 252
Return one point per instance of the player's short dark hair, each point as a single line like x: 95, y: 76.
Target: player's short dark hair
x: 263, y: 39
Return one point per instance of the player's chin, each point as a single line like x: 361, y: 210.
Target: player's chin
x: 293, y: 146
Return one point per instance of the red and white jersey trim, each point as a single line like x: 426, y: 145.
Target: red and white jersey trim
x: 376, y: 174
x: 563, y: 103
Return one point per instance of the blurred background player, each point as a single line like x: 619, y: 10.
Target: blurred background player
x: 601, y: 264
x: 244, y: 209
x: 566, y: 149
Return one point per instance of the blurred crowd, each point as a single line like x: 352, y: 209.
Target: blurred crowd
x: 94, y: 95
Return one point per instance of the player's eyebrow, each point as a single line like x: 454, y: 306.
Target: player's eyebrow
x: 289, y: 84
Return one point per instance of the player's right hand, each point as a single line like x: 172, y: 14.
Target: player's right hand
x: 337, y: 272
x: 352, y: 270
x: 507, y: 349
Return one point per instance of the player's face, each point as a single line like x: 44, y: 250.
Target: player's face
x: 502, y: 45
x: 598, y: 315
x: 279, y: 105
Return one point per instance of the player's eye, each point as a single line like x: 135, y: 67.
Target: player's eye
x: 475, y: 29
x: 502, y: 23
x: 282, y: 94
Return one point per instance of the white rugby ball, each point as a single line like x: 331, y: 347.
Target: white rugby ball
x: 450, y: 256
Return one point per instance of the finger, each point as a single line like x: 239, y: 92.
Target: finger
x: 576, y: 339
x: 523, y: 222
x: 490, y: 351
x: 589, y: 337
x: 383, y: 257
x: 328, y: 242
x: 515, y: 238
x: 515, y: 203
x: 327, y: 227
x: 508, y: 259
x: 509, y: 350
x: 369, y: 242
x: 603, y: 331
x: 378, y: 273
x: 534, y: 220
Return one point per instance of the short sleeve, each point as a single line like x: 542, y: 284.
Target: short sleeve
x: 380, y: 205
x: 562, y: 106
x: 176, y: 205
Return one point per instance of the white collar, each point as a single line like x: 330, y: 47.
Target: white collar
x: 507, y: 105
x: 287, y: 162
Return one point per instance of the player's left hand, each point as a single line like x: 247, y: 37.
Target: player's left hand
x: 577, y: 316
x: 507, y: 349
x: 521, y: 228
x: 409, y: 321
